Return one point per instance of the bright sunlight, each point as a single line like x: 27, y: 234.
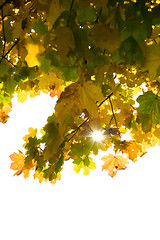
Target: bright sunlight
x: 97, y: 135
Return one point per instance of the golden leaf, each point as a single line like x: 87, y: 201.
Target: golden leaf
x: 133, y: 150
x: 89, y: 96
x: 18, y: 162
x: 113, y: 164
x: 34, y: 48
x: 152, y: 58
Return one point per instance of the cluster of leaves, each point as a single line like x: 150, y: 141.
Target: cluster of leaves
x: 96, y: 56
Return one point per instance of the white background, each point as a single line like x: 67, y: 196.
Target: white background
x: 77, y: 207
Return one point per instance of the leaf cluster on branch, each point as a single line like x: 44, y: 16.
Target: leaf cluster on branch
x: 96, y: 57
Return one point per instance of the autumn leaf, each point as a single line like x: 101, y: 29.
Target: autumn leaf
x: 113, y: 164
x: 100, y: 59
x: 18, y: 162
x: 133, y: 150
x: 152, y: 58
x: 33, y: 49
x: 89, y: 96
x: 19, y: 165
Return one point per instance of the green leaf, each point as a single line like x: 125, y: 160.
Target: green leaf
x: 139, y: 29
x: 4, y: 68
x: 51, y: 129
x: 59, y: 164
x: 145, y: 121
x: 69, y: 73
x: 44, y: 64
x: 85, y: 164
x: 80, y: 149
x: 131, y: 51
x: 27, y: 73
x: 40, y: 27
x: 156, y: 16
x: 86, y: 15
x: 149, y: 104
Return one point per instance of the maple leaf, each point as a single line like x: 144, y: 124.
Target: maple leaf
x: 149, y: 104
x: 18, y: 162
x: 82, y: 52
x: 89, y: 96
x: 133, y: 149
x: 113, y: 164
x: 152, y: 58
x: 4, y: 112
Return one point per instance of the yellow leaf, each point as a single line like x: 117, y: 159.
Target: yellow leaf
x: 32, y: 134
x: 22, y: 96
x: 152, y: 58
x: 90, y: 95
x: 78, y: 97
x: 113, y: 164
x: 18, y: 162
x: 133, y: 150
x: 38, y: 175
x: 157, y: 132
x: 69, y: 102
x: 34, y: 48
x: 48, y: 80
x: 33, y: 51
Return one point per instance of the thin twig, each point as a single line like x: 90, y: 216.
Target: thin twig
x: 113, y: 113
x: 70, y: 12
x: 9, y: 50
x: 10, y: 62
x: 105, y: 99
x: 77, y: 129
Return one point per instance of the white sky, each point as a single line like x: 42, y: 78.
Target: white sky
x: 77, y: 207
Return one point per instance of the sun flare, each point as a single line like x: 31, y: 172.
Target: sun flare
x: 97, y: 135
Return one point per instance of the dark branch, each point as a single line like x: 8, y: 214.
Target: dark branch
x: 113, y: 113
x: 9, y: 50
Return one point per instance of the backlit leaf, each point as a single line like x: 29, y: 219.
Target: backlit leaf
x: 113, y: 164
x: 149, y: 104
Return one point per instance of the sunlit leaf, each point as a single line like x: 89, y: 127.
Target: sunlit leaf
x: 113, y: 164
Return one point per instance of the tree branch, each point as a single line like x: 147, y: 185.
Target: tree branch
x: 113, y: 113
x: 5, y: 55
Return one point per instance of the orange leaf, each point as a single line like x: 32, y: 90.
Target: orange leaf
x: 113, y: 164
x: 18, y: 162
x: 19, y: 165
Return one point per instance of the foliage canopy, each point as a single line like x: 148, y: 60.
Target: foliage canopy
x: 96, y: 57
